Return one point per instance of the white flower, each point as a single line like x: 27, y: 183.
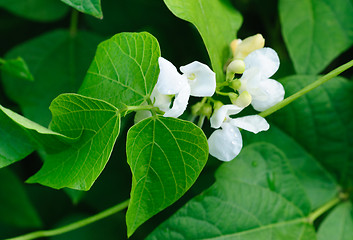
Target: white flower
x: 226, y: 143
x: 197, y: 80
x: 260, y: 65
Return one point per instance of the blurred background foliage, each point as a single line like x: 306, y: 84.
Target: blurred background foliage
x: 180, y: 43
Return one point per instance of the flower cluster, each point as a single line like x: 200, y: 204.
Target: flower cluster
x: 254, y: 62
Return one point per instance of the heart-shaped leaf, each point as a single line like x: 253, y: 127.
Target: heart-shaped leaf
x: 97, y: 124
x: 253, y: 198
x: 124, y: 70
x: 218, y: 23
x: 166, y: 156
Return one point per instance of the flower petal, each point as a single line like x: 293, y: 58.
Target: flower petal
x: 253, y: 123
x: 265, y: 60
x: 268, y: 93
x: 169, y: 80
x: 201, y: 78
x: 226, y: 143
x: 180, y: 103
x: 161, y: 101
x: 222, y: 113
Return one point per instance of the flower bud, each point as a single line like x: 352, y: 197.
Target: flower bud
x: 195, y: 109
x: 243, y: 100
x: 248, y: 45
x: 217, y: 105
x: 236, y: 66
x: 233, y: 97
x: 234, y: 44
x: 206, y: 110
x: 235, y: 84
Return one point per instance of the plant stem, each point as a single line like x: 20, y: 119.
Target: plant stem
x: 75, y: 225
x: 74, y: 22
x: 201, y: 121
x: 307, y: 89
x: 318, y: 212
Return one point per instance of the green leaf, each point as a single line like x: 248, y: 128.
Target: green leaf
x: 166, y: 155
x: 317, y: 183
x: 316, y: 31
x: 236, y: 209
x: 124, y: 70
x: 16, y: 208
x: 15, y: 144
x: 97, y: 123
x: 18, y: 68
x: 91, y: 7
x: 38, y: 10
x: 58, y: 63
x: 321, y: 122
x: 218, y: 23
x: 268, y: 167
x: 338, y: 225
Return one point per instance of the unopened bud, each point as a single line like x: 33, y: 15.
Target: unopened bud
x: 206, y: 110
x: 217, y: 105
x: 243, y: 100
x: 236, y: 66
x: 195, y: 109
x: 235, y: 84
x: 233, y: 97
x: 234, y: 44
x: 248, y: 45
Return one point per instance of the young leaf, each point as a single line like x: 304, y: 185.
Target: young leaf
x: 338, y: 225
x: 97, y: 124
x: 16, y: 208
x: 322, y: 122
x: 244, y: 210
x: 58, y: 62
x: 37, y: 10
x: 91, y: 7
x: 218, y: 23
x: 316, y: 32
x: 166, y: 156
x: 124, y: 71
x: 317, y: 183
x: 18, y: 68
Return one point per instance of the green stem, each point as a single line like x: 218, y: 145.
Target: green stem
x: 74, y: 23
x: 201, y: 121
x: 222, y: 93
x: 307, y: 89
x: 318, y: 212
x: 75, y: 225
x: 138, y: 108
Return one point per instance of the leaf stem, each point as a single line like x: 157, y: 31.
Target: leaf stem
x: 75, y: 225
x: 307, y: 89
x: 318, y: 212
x: 74, y: 23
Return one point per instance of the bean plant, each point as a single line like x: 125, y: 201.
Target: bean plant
x: 176, y: 119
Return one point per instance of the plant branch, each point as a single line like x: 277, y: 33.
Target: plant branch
x: 75, y: 225
x: 307, y: 89
x: 318, y: 212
